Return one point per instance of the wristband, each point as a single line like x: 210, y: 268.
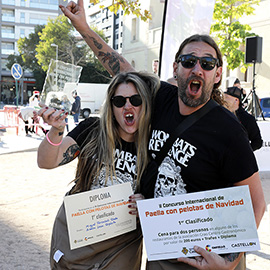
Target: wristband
x: 50, y: 142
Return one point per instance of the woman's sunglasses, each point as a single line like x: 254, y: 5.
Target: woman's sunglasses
x: 189, y: 61
x: 120, y: 101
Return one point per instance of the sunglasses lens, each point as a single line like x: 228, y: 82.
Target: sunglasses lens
x: 208, y: 63
x: 135, y: 100
x: 188, y: 61
x: 118, y: 101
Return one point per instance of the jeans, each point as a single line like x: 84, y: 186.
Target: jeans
x: 76, y: 118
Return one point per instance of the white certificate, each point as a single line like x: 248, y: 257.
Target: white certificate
x: 220, y: 220
x: 99, y: 214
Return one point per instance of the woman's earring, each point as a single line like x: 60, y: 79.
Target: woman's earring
x: 175, y: 76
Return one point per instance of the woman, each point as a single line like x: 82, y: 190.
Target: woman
x: 66, y: 104
x: 121, y: 131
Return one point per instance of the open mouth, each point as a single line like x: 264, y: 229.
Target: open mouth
x: 195, y: 86
x: 129, y: 118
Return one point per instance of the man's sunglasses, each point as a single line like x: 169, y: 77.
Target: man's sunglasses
x: 189, y: 61
x: 120, y: 101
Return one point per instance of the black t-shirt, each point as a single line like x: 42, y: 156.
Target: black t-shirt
x: 252, y: 128
x: 213, y: 153
x: 125, y: 156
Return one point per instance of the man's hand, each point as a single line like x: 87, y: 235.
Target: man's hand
x: 211, y: 260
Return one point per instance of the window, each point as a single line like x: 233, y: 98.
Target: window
x: 8, y: 2
x: 37, y: 18
x: 134, y: 29
x: 4, y: 64
x: 8, y: 15
x: 8, y: 31
x: 22, y: 33
x: 7, y: 48
x: 22, y: 19
x: 48, y: 4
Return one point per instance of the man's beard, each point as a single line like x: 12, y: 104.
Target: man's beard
x: 191, y: 101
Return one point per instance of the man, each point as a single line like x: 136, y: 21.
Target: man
x: 233, y: 97
x: 155, y: 66
x: 243, y: 91
x: 208, y: 152
x: 76, y: 107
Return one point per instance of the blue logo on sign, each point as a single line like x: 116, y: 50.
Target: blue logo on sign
x: 16, y: 71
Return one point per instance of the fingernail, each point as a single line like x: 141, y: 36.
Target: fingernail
x: 66, y: 113
x: 46, y: 108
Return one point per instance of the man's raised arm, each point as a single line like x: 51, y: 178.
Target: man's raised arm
x: 112, y: 61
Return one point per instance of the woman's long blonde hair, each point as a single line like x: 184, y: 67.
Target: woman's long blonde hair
x: 101, y: 142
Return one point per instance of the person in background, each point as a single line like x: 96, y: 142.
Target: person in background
x: 244, y: 100
x: 213, y: 158
x: 65, y: 104
x: 155, y: 66
x: 112, y: 150
x: 34, y: 103
x: 76, y: 107
x: 233, y: 98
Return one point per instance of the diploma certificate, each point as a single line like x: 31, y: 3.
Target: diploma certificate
x: 99, y: 214
x: 220, y: 220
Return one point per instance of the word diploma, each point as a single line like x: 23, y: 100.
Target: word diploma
x: 221, y: 221
x: 99, y: 214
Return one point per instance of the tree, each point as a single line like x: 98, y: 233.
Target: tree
x: 71, y: 49
x: 27, y: 49
x: 94, y: 72
x: 12, y: 58
x: 129, y: 6
x: 230, y: 33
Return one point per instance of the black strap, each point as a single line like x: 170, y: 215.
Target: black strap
x: 184, y: 125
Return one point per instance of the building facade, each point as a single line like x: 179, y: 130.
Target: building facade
x: 110, y: 23
x: 136, y: 40
x: 18, y: 20
x: 260, y: 24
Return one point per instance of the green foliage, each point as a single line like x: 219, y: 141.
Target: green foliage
x: 12, y: 59
x: 129, y: 6
x: 26, y: 58
x: 229, y: 33
x: 94, y: 73
x: 59, y: 32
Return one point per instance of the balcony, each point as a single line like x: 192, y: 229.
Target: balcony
x: 8, y: 2
x: 8, y: 35
x: 8, y: 19
x: 7, y: 51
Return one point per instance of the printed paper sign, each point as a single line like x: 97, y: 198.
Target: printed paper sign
x: 99, y: 214
x: 220, y: 220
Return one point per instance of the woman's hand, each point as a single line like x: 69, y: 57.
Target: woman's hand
x: 211, y: 260
x: 53, y: 117
x: 133, y: 203
x: 76, y: 13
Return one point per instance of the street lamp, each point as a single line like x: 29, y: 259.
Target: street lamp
x: 56, y: 58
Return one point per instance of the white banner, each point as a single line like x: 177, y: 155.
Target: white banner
x: 183, y: 18
x: 263, y: 154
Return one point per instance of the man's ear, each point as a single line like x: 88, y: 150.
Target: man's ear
x: 175, y: 67
x: 218, y: 74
